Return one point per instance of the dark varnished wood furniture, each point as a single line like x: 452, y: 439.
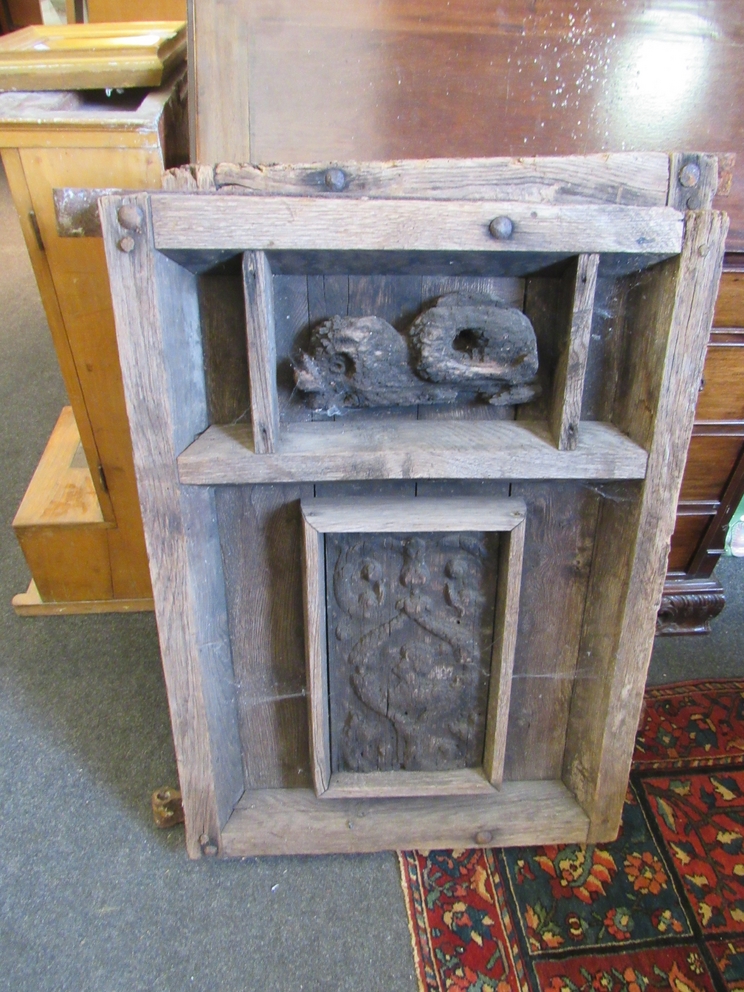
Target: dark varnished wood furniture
x: 713, y: 483
x: 466, y: 78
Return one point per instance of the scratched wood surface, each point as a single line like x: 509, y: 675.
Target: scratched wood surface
x: 672, y: 307
x: 156, y: 306
x: 518, y: 78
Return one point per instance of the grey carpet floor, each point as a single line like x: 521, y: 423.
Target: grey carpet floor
x: 92, y: 897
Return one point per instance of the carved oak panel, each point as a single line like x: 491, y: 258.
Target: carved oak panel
x: 410, y: 636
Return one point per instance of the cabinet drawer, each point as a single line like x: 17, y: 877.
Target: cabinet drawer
x: 709, y: 464
x: 730, y: 305
x: 685, y: 540
x: 722, y: 393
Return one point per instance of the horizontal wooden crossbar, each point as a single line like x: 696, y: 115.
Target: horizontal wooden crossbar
x: 296, y: 821
x: 213, y: 223
x: 408, y: 449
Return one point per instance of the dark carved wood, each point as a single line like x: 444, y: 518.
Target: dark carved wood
x: 687, y: 607
x: 410, y: 628
x: 466, y: 346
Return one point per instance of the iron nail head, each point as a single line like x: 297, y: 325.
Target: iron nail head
x: 126, y: 244
x: 335, y: 180
x: 130, y: 217
x: 689, y: 175
x: 501, y: 228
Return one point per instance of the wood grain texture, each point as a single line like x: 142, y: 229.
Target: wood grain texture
x: 560, y: 532
x: 672, y: 309
x: 156, y: 308
x: 708, y: 467
x: 693, y: 180
x: 721, y: 395
x: 378, y: 515
x: 24, y: 205
x: 626, y: 178
x: 730, y: 302
x: 224, y: 341
x: 570, y: 372
x: 61, y: 491
x: 295, y: 821
x: 504, y: 644
x: 438, y: 449
x: 659, y: 83
x: 135, y: 10
x: 313, y: 565
x: 85, y: 56
x: 261, y: 334
x: 30, y: 604
x: 317, y: 223
x: 261, y: 537
x: 401, y: 784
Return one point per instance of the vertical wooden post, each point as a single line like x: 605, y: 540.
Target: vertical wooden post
x: 260, y: 329
x: 313, y: 563
x: 511, y: 553
x: 568, y: 380
x: 157, y: 324
x: 669, y: 313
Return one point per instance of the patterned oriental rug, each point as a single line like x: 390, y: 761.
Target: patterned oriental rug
x: 660, y: 908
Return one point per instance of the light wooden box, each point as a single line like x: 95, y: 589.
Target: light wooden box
x: 85, y: 552
x: 216, y: 281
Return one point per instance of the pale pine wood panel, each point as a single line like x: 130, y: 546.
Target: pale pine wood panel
x: 25, y: 207
x: 80, y: 277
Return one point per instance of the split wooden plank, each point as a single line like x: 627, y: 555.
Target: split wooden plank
x: 628, y: 178
x: 511, y: 555
x: 670, y: 308
x: 437, y: 449
x: 183, y: 221
x: 156, y: 308
x: 296, y: 821
x: 568, y: 379
x: 313, y: 564
x: 260, y: 329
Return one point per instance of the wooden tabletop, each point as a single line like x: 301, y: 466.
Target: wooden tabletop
x: 379, y: 79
